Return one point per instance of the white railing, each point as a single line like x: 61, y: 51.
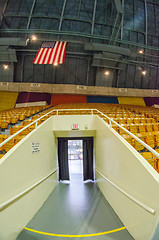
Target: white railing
x: 92, y: 112
x: 3, y: 205
x: 132, y: 135
x: 147, y: 208
x: 6, y: 203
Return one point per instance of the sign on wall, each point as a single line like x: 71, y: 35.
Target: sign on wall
x: 75, y: 127
x: 35, y: 147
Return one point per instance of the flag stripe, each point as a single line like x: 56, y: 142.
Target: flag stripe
x: 54, y: 52
x: 41, y: 53
x: 42, y: 56
x: 37, y: 56
x: 49, y: 58
x: 58, y: 53
x: 51, y: 53
x: 63, y: 53
x: 45, y: 55
x: 59, y: 57
x: 48, y: 55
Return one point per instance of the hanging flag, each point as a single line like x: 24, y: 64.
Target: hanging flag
x: 51, y: 53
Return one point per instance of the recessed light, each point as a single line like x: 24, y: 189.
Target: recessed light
x: 141, y: 51
x: 33, y: 37
x: 144, y: 72
x: 5, y: 67
x: 107, y: 73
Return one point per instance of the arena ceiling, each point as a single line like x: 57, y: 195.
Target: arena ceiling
x: 102, y: 35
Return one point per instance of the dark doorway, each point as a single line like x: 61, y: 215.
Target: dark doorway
x: 84, y: 157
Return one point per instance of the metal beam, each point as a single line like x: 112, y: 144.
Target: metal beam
x: 55, y: 32
x: 30, y: 14
x: 93, y: 18
x: 146, y: 22
x: 118, y: 5
x: 62, y: 14
x: 122, y: 21
x: 107, y: 48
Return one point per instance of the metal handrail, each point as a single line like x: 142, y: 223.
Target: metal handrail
x: 6, y: 203
x: 132, y: 135
x: 85, y: 109
x: 148, y: 209
x: 35, y: 122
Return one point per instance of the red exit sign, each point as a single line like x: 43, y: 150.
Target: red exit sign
x: 75, y: 126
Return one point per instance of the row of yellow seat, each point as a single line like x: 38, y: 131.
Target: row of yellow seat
x: 6, y: 147
x: 11, y: 116
x: 142, y: 121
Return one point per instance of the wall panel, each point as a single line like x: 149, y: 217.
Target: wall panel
x: 57, y: 99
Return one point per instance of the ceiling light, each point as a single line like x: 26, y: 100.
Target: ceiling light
x: 144, y: 72
x: 107, y: 73
x: 141, y: 51
x: 33, y: 37
x: 5, y: 67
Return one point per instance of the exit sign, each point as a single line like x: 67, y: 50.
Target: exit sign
x: 75, y: 126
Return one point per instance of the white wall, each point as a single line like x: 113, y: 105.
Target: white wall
x: 126, y: 168
x: 64, y: 122
x: 20, y: 169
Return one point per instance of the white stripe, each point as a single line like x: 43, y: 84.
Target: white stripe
x: 38, y: 56
x: 48, y: 54
x: 64, y: 46
x: 53, y: 53
x: 43, y: 55
x: 58, y: 52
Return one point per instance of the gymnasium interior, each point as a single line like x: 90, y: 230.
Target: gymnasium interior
x: 79, y: 119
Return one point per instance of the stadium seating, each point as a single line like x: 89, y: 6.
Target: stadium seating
x: 140, y: 120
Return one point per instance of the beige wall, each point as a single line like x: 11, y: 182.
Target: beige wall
x: 19, y: 170
x: 77, y: 89
x: 122, y: 165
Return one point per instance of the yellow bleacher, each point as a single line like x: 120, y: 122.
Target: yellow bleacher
x: 140, y: 120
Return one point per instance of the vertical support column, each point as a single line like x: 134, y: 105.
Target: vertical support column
x: 122, y: 21
x: 88, y: 70
x: 146, y: 22
x: 62, y: 13
x: 31, y: 12
x: 93, y: 18
x: 22, y: 69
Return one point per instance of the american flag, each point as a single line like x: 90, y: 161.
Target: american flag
x: 51, y: 53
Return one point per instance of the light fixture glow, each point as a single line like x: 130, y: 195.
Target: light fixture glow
x: 5, y: 67
x: 107, y: 73
x: 34, y: 38
x: 55, y: 64
x: 144, y: 72
x: 141, y: 51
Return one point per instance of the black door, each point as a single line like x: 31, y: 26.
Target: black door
x: 63, y: 159
x: 88, y: 158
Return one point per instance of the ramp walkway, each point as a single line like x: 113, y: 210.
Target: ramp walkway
x: 76, y: 208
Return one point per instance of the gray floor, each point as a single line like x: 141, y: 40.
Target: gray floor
x: 75, y: 207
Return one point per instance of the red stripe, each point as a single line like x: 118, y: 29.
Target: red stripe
x: 58, y: 60
x: 40, y: 55
x: 48, y: 61
x: 63, y: 59
x: 55, y: 52
x: 36, y: 56
x: 45, y: 56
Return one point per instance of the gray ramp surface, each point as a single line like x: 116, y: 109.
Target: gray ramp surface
x: 75, y: 208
